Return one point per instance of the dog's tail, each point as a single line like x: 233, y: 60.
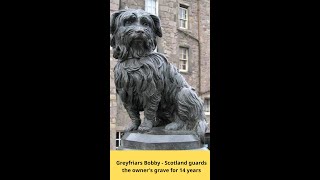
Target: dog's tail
x: 190, y: 110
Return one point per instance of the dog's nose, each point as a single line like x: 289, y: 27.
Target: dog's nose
x: 139, y: 31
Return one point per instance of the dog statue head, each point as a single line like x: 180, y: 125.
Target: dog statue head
x: 133, y: 33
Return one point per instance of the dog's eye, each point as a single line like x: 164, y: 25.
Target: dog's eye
x: 145, y: 24
x: 128, y: 22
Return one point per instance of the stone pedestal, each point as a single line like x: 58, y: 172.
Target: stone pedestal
x: 160, y: 139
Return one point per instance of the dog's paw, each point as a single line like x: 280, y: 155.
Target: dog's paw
x: 146, y: 125
x: 174, y: 126
x: 144, y: 128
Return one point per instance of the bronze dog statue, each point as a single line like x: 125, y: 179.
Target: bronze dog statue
x: 146, y: 81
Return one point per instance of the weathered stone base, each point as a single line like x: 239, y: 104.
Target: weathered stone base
x: 160, y: 139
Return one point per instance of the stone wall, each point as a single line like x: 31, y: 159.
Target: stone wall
x: 173, y: 38
x: 132, y: 4
x: 205, y: 45
x: 207, y: 95
x: 114, y: 6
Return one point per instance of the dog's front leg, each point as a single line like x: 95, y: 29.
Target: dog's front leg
x: 135, y: 118
x: 150, y: 111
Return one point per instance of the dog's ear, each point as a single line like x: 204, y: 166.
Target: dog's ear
x: 112, y: 41
x: 113, y: 24
x: 157, y: 25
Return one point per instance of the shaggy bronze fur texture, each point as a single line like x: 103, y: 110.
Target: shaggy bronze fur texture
x: 146, y: 81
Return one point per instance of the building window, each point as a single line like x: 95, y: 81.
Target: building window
x: 151, y: 6
x: 119, y: 135
x: 184, y: 57
x: 183, y: 17
x: 207, y: 105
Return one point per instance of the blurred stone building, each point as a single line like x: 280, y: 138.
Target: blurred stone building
x: 185, y: 42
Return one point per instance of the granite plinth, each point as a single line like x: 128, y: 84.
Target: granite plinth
x: 160, y: 139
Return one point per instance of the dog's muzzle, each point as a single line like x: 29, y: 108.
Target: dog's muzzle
x: 139, y: 29
x: 139, y: 35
